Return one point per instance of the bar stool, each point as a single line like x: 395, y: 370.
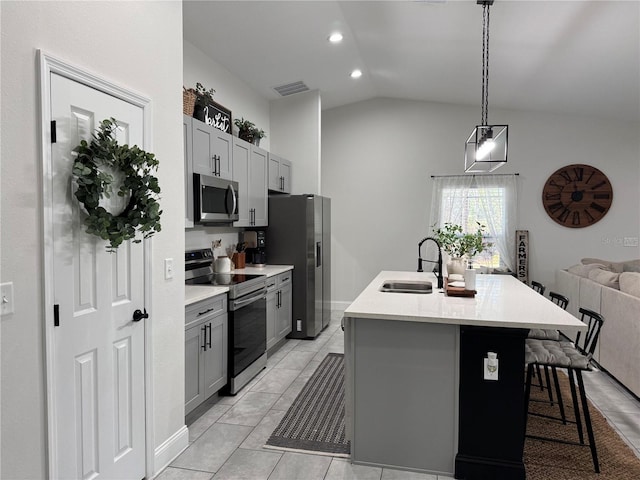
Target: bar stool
x: 576, y: 358
x: 547, y: 334
x: 538, y: 287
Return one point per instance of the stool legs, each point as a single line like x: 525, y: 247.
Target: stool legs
x: 587, y: 421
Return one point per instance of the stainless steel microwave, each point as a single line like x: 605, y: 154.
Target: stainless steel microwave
x: 215, y: 199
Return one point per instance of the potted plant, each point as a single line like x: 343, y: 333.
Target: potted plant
x: 245, y: 129
x: 248, y: 131
x: 204, y: 97
x: 461, y: 247
x: 257, y: 135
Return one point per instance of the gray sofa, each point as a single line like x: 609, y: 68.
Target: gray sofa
x: 613, y: 290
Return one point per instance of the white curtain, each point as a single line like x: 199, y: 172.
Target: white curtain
x: 489, y: 199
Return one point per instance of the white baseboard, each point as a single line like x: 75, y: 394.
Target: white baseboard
x: 170, y: 449
x: 335, y: 305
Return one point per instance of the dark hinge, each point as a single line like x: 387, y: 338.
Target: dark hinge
x: 56, y: 315
x: 53, y: 131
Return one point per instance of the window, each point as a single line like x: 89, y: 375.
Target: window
x: 488, y: 199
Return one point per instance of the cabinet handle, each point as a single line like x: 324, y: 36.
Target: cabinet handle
x: 209, y: 341
x: 213, y: 159
x: 204, y: 338
x: 218, y: 165
x: 282, y: 182
x: 279, y: 298
x: 206, y: 311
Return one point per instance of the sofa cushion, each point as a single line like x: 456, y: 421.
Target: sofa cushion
x: 632, y: 266
x: 605, y: 277
x: 630, y: 283
x: 583, y: 270
x: 619, y: 267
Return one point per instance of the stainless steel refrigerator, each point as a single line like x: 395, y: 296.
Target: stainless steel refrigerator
x: 299, y: 234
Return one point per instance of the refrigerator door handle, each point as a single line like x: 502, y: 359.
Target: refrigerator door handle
x: 318, y: 254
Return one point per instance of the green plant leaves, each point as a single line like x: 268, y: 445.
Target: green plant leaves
x: 94, y: 183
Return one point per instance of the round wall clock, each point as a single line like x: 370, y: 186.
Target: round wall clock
x: 577, y: 195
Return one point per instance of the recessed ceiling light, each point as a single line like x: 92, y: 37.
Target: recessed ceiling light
x: 356, y: 73
x: 335, y: 37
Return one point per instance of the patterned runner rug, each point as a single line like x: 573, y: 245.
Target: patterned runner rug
x: 315, y: 421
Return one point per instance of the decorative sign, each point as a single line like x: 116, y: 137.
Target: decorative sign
x: 218, y: 117
x: 522, y: 255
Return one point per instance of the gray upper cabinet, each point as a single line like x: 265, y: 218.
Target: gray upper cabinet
x: 188, y: 171
x: 211, y: 151
x: 250, y: 171
x: 279, y: 174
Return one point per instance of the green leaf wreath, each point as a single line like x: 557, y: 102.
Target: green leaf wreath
x: 90, y: 170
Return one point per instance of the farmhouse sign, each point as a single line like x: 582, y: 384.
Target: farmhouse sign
x: 522, y: 255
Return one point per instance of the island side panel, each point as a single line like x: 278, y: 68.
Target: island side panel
x: 403, y: 398
x: 491, y: 436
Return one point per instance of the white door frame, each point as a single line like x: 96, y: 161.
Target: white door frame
x: 48, y: 65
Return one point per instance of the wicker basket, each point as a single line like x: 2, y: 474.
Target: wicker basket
x: 188, y: 101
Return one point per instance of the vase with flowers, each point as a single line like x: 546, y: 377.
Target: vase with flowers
x: 460, y: 247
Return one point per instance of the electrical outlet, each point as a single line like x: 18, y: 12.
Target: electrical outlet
x: 168, y: 268
x: 491, y: 367
x: 6, y: 298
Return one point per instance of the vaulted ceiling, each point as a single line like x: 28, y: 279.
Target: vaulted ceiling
x: 578, y: 57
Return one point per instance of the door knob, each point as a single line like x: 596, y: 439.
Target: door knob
x: 138, y: 315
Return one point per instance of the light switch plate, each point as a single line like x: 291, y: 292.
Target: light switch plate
x: 168, y: 268
x: 6, y: 298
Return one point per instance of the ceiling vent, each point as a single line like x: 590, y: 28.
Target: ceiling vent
x: 291, y: 88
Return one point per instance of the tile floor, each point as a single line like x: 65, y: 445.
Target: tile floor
x: 225, y: 442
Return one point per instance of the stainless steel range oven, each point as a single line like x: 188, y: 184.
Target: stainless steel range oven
x: 247, y: 345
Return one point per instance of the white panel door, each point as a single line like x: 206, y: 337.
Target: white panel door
x: 98, y: 349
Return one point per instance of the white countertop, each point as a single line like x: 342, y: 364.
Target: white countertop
x: 196, y: 293
x: 500, y: 301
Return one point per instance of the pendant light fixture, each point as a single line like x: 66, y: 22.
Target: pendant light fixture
x: 486, y: 147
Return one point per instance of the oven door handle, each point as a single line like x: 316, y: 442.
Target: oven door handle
x: 238, y: 304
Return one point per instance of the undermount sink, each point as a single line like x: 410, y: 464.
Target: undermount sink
x: 406, y: 286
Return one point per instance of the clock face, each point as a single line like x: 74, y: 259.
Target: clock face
x: 577, y: 195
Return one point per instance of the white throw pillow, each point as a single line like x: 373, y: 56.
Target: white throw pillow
x: 605, y: 277
x: 583, y: 270
x: 630, y: 283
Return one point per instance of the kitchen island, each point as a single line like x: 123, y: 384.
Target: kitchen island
x: 416, y: 393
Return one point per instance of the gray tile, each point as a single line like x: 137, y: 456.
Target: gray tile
x: 248, y: 464
x: 344, y: 470
x: 287, y: 398
x: 322, y: 353
x: 250, y: 409
x: 295, y: 360
x: 263, y: 430
x: 276, y: 380
x: 308, y: 370
x: 391, y: 474
x: 198, y: 427
x: 310, y: 345
x: 171, y: 473
x: 233, y: 399
x: 302, y: 466
x: 209, y: 452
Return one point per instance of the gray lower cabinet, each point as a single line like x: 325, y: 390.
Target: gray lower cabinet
x: 278, y: 308
x: 205, y: 350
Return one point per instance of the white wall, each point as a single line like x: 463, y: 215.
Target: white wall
x: 231, y: 92
x: 137, y: 45
x: 295, y: 135
x: 378, y: 156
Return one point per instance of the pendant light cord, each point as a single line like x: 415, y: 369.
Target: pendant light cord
x: 485, y: 64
